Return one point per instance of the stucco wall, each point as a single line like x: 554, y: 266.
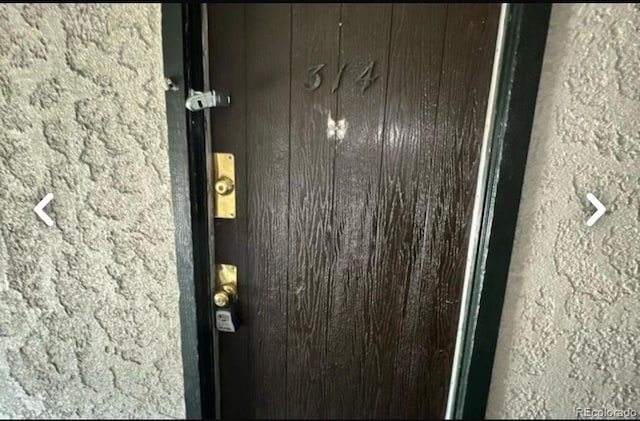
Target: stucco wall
x: 570, y: 330
x: 88, y: 307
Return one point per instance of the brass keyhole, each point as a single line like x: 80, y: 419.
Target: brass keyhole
x: 224, y: 185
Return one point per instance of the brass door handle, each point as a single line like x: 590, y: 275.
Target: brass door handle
x: 224, y: 185
x: 225, y: 298
x: 226, y: 286
x: 225, y: 295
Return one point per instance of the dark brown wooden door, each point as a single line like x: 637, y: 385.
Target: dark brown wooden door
x: 354, y: 196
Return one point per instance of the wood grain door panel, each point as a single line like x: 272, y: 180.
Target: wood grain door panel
x: 350, y: 247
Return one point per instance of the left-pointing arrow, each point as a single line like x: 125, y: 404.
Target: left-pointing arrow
x: 39, y: 209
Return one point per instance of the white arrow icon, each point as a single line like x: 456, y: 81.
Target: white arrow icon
x: 40, y: 206
x: 600, y: 209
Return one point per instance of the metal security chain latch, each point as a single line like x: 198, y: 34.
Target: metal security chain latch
x: 200, y: 100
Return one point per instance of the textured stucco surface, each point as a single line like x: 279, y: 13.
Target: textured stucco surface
x: 570, y: 330
x: 89, y: 307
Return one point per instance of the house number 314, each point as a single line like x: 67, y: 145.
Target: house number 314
x: 314, y: 77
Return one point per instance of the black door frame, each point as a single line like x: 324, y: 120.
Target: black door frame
x: 183, y: 67
x: 523, y: 50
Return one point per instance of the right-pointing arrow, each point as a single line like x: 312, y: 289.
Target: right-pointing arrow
x: 599, y: 212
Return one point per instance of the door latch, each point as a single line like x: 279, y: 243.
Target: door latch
x: 225, y: 298
x: 224, y: 186
x: 200, y: 100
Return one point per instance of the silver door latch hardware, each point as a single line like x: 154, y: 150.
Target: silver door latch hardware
x: 200, y: 100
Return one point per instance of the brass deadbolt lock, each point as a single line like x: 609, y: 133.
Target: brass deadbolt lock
x: 225, y: 295
x: 226, y: 290
x: 224, y: 185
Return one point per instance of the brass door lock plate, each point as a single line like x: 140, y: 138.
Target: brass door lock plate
x: 224, y: 186
x: 226, y: 285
